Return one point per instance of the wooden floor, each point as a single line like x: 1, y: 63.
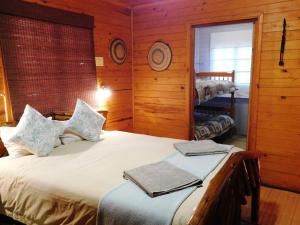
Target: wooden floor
x: 278, y: 207
x: 239, y: 141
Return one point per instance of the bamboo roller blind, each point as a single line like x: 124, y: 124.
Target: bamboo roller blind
x: 48, y: 65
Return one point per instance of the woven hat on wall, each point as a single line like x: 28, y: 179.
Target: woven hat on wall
x: 159, y: 56
x: 118, y: 51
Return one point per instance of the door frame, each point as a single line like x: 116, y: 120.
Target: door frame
x: 257, y: 19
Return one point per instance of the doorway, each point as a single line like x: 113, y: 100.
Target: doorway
x: 223, y: 72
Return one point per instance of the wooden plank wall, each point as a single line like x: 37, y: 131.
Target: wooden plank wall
x: 160, y: 98
x: 110, y: 21
x: 2, y: 112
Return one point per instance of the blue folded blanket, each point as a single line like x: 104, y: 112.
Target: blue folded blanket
x: 127, y: 204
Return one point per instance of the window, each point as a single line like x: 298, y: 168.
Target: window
x: 226, y: 48
x: 232, y: 51
x: 48, y: 65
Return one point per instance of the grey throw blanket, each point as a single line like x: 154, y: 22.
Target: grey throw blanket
x: 204, y: 147
x: 161, y: 178
x: 127, y: 204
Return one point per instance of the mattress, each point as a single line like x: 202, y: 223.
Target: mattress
x: 66, y: 186
x: 209, y: 89
x: 210, y: 127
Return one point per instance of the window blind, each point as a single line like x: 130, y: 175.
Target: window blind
x: 48, y: 65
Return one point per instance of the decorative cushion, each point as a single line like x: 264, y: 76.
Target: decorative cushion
x: 86, y: 122
x: 14, y: 150
x: 36, y: 133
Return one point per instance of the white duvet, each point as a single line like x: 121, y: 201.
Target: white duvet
x: 65, y: 187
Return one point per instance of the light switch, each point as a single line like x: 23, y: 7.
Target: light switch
x: 99, y: 61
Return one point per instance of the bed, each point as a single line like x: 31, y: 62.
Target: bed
x: 211, y: 126
x: 209, y: 85
x: 65, y: 187
x: 214, y: 119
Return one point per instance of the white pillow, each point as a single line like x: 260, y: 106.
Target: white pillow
x: 63, y: 126
x: 68, y: 138
x: 14, y: 150
x: 57, y: 143
x: 61, y: 123
x: 86, y: 122
x: 36, y: 133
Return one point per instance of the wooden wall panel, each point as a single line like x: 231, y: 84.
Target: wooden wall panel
x: 160, y: 98
x: 2, y: 112
x: 110, y: 21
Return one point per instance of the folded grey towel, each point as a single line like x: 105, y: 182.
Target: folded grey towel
x: 204, y: 147
x: 161, y: 178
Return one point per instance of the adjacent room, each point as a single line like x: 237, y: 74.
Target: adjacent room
x: 223, y: 68
x: 149, y: 112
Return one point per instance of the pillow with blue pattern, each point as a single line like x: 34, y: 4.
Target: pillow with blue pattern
x: 86, y: 122
x: 38, y: 134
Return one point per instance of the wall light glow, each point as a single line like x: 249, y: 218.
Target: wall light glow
x: 102, y: 95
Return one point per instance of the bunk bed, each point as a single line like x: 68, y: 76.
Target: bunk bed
x: 213, y: 119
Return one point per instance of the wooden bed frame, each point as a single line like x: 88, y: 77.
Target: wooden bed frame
x: 230, y: 76
x: 221, y: 204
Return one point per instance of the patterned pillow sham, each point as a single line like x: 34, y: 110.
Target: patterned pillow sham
x: 36, y: 133
x: 86, y: 122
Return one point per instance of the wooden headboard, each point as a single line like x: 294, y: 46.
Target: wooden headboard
x: 217, y: 75
x: 3, y: 151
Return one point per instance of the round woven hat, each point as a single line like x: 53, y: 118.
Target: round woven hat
x: 118, y: 51
x: 159, y: 56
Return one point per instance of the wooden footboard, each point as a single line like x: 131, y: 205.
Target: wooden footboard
x: 221, y: 204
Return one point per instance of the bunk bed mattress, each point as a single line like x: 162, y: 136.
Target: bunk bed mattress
x: 209, y: 89
x: 213, y: 127
x: 66, y: 186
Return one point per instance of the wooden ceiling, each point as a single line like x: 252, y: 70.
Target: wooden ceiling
x: 138, y: 2
x: 134, y: 3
